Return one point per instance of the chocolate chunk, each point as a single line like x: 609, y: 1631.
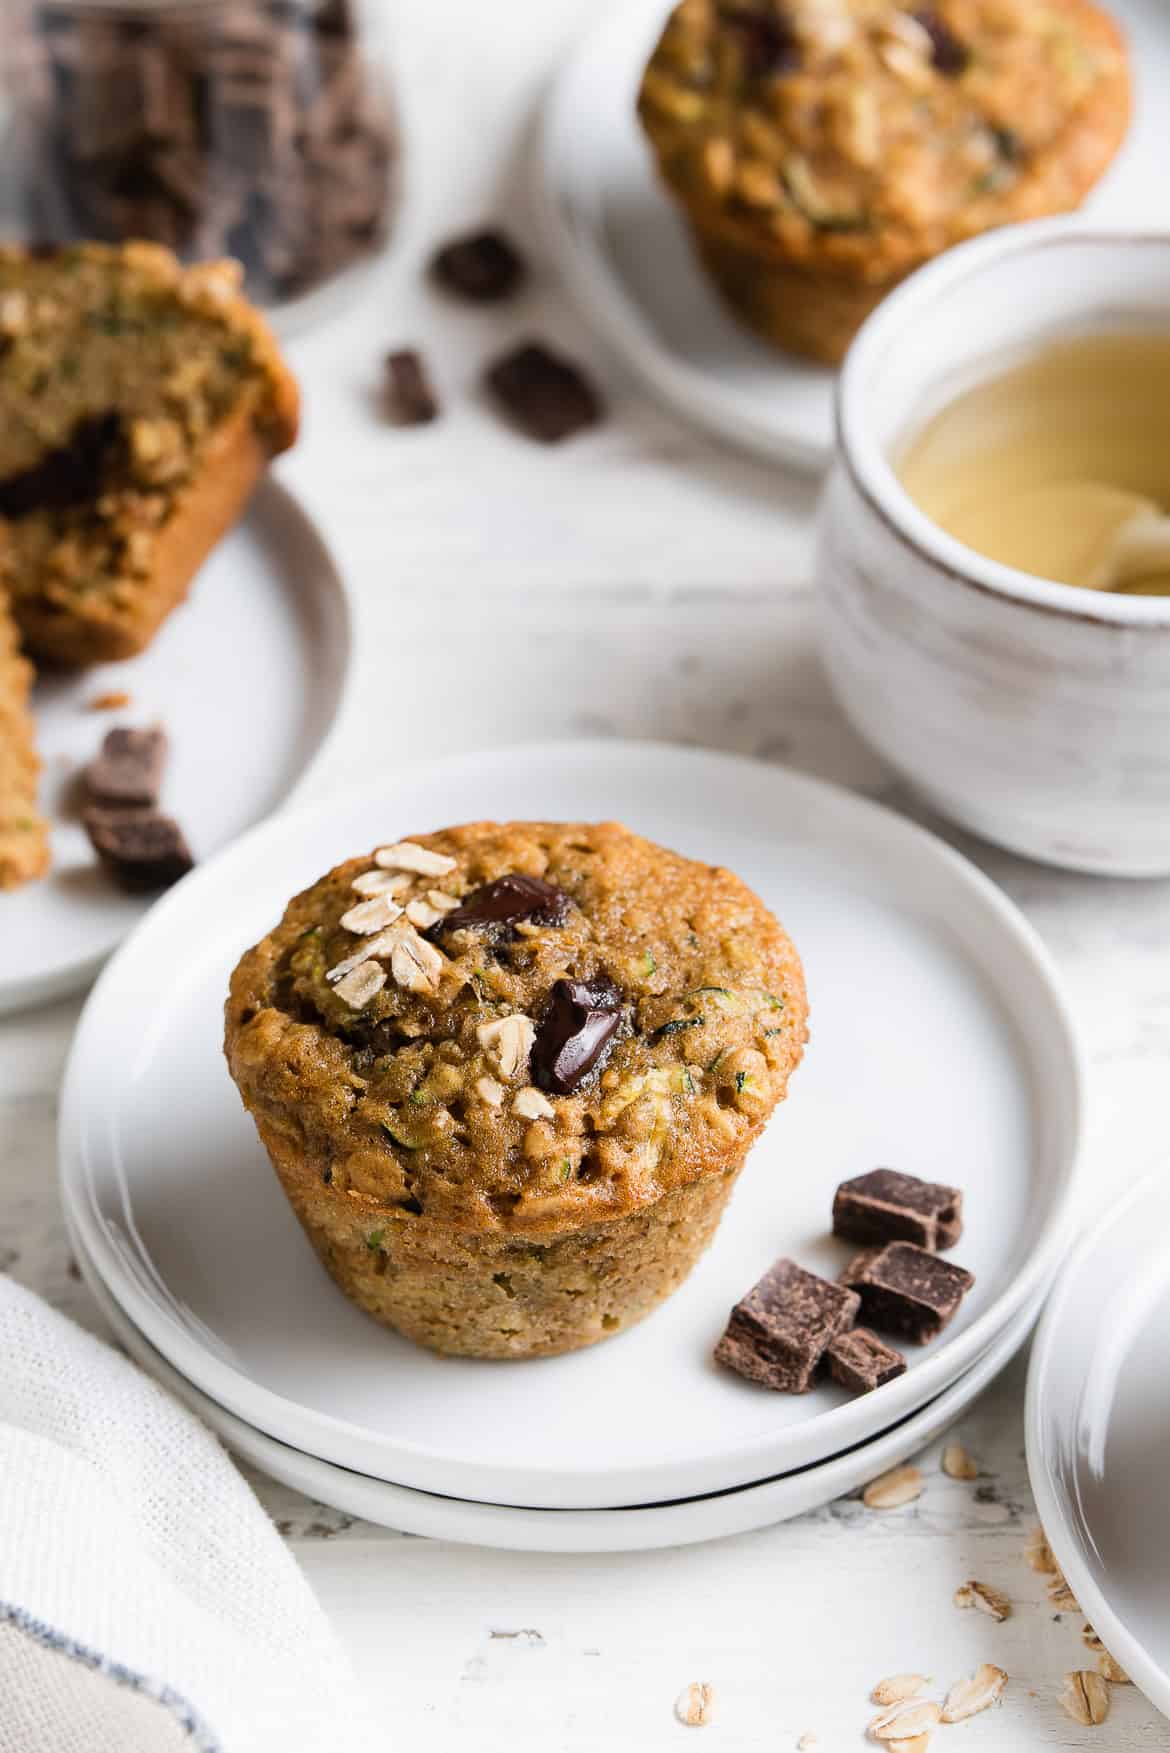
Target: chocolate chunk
x: 411, y: 400
x: 778, y: 1333
x: 507, y: 900
x: 141, y: 849
x: 68, y: 476
x: 576, y: 1033
x: 861, y: 1361
x: 886, y: 1206
x: 129, y: 768
x: 770, y: 45
x: 948, y: 54
x: 484, y: 267
x: 905, y: 1290
x: 545, y: 396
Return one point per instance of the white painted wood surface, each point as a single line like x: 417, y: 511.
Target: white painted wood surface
x: 636, y: 582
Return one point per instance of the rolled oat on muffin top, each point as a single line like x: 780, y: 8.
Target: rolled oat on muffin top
x: 512, y: 1034
x: 861, y: 138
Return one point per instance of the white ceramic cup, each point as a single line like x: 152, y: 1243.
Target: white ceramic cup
x: 1034, y: 713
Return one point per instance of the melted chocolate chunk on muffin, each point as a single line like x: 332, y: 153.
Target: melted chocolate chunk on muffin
x: 531, y: 1058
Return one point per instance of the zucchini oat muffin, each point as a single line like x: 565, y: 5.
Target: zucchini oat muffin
x: 24, y: 838
x: 140, y: 401
x: 508, y: 1074
x: 823, y: 149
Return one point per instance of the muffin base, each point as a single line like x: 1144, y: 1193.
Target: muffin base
x: 477, y: 1294
x: 794, y: 308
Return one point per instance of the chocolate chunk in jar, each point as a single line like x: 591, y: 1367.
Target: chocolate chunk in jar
x: 906, y: 1290
x: 484, y: 267
x: 887, y: 1206
x: 410, y: 398
x: 860, y: 1361
x: 129, y: 768
x: 576, y: 1033
x: 779, y: 1332
x: 142, y: 851
x: 507, y: 901
x: 545, y: 396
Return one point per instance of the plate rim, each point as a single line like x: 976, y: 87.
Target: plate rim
x: 1123, y: 1645
x: 26, y: 992
x: 334, y: 1437
x: 510, y: 1527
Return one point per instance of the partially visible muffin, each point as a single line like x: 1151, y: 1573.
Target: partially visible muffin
x: 508, y: 1074
x: 823, y: 149
x: 24, y: 835
x: 140, y: 401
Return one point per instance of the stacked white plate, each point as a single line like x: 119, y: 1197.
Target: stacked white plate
x: 940, y: 1045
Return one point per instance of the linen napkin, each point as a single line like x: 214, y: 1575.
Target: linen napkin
x: 146, y: 1601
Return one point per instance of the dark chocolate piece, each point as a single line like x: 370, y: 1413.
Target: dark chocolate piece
x: 887, y: 1206
x: 904, y: 1289
x: 778, y: 1333
x: 949, y: 55
x: 770, y: 45
x: 409, y: 395
x: 141, y: 850
x: 129, y: 768
x: 545, y: 396
x: 484, y: 267
x: 508, y: 899
x: 861, y: 1361
x: 68, y: 476
x: 579, y: 1026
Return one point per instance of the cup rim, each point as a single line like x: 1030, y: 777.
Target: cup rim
x: 866, y: 461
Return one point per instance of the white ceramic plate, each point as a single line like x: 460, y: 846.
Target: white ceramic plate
x: 638, y: 1529
x: 939, y: 1044
x: 625, y: 254
x: 246, y: 677
x: 1098, y: 1431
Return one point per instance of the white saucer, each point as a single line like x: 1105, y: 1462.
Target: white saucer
x: 940, y: 1044
x: 246, y: 677
x: 643, y: 1529
x: 1098, y: 1431
x: 624, y: 251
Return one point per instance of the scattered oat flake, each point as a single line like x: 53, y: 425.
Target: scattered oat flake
x: 1085, y: 1697
x: 984, y: 1599
x: 415, y: 964
x: 897, y: 1688
x: 805, y: 1742
x: 405, y: 855
x: 508, y: 1041
x: 490, y: 1091
x: 979, y: 1690
x: 361, y: 984
x: 958, y: 1464
x: 370, y: 916
x: 533, y: 1104
x: 380, y: 882
x: 916, y: 1744
x: 1062, y: 1596
x: 891, y: 1490
x: 1112, y: 1671
x: 374, y: 947
x: 695, y: 1704
x: 1039, y: 1553
x: 441, y: 902
x: 113, y: 701
x: 422, y: 914
x: 902, y: 1722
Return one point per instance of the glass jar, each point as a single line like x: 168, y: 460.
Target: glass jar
x: 260, y: 129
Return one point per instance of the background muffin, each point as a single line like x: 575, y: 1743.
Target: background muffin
x: 822, y: 149
x: 510, y: 1115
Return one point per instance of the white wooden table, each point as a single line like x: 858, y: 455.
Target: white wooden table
x: 636, y: 582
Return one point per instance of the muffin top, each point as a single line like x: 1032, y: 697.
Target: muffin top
x: 870, y: 136
x: 523, y: 1026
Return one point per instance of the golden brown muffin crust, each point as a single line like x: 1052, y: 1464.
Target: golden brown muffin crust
x: 860, y: 138
x: 409, y: 1101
